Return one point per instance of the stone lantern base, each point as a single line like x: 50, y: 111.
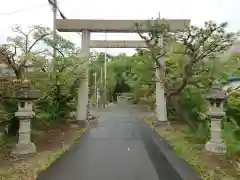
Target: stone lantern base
x: 24, y: 145
x: 216, y: 147
x: 22, y: 149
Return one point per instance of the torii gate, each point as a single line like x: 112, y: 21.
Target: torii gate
x: 86, y: 26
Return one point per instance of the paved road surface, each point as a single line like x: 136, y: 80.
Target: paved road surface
x: 117, y: 149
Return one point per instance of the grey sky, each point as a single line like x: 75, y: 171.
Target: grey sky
x: 40, y: 13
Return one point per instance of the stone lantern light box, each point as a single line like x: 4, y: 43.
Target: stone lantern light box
x: 216, y: 97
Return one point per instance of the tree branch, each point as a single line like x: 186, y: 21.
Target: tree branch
x: 36, y: 41
x: 9, y: 57
x: 17, y: 28
x: 235, y: 89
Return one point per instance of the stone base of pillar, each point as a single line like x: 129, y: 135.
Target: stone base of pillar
x: 93, y: 121
x: 82, y: 123
x: 22, y: 149
x: 74, y: 125
x: 160, y: 123
x: 216, y: 147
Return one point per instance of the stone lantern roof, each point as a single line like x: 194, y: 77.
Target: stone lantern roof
x: 25, y: 92
x: 216, y: 93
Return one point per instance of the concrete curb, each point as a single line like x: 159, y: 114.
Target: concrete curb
x: 180, y: 165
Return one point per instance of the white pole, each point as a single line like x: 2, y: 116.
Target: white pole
x: 83, y: 90
x: 54, y: 27
x: 101, y: 87
x: 95, y: 87
x: 97, y: 101
x: 105, y: 74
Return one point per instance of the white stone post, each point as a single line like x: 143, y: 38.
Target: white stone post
x: 161, y: 109
x: 216, y: 114
x: 24, y: 114
x: 82, y: 104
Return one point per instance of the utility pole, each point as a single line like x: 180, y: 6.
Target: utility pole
x: 55, y: 8
x: 54, y: 27
x: 53, y: 3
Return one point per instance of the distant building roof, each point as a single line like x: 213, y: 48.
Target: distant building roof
x: 236, y: 47
x: 233, y: 79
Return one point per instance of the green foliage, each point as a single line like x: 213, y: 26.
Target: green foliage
x: 232, y: 138
x: 59, y: 88
x: 3, y: 119
x: 201, y: 134
x: 8, y: 122
x: 149, y: 101
x: 195, y: 107
x: 194, y: 103
x: 56, y: 80
x: 233, y: 107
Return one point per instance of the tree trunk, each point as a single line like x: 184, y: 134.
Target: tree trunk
x: 180, y: 112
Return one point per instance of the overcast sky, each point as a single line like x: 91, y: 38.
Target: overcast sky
x: 29, y: 12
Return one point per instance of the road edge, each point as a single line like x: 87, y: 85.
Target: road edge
x: 71, y: 148
x: 185, y: 170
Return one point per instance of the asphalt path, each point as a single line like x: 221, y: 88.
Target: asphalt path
x: 118, y: 148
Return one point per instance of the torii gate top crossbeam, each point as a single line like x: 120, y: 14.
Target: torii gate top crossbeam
x: 121, y: 26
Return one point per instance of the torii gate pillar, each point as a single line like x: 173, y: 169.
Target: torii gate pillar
x: 161, y: 108
x: 83, y: 90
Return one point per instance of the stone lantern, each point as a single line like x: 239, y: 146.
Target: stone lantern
x: 26, y: 96
x: 216, y: 96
